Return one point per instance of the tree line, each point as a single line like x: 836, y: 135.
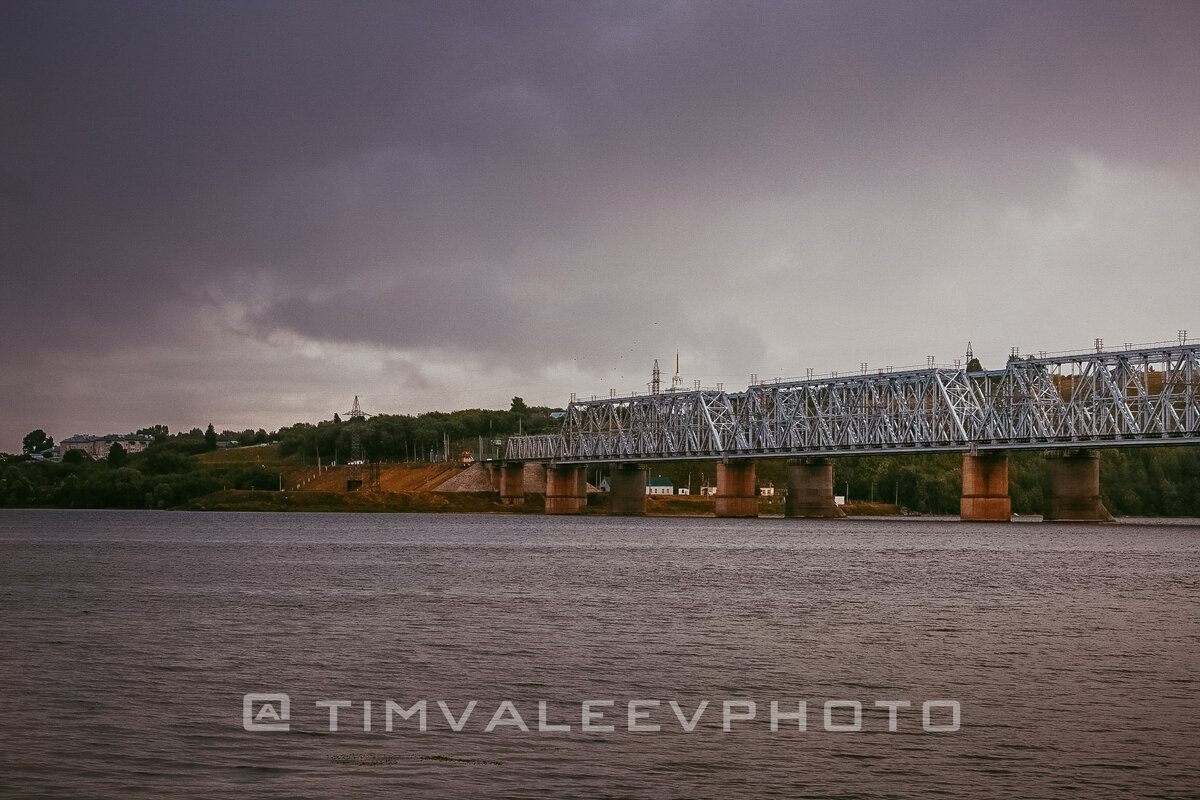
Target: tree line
x: 1135, y: 481
x: 433, y: 436
x: 168, y: 473
x: 164, y: 475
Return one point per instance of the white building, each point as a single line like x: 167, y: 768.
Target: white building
x: 660, y: 485
x: 98, y: 446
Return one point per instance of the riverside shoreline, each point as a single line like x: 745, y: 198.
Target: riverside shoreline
x: 467, y: 503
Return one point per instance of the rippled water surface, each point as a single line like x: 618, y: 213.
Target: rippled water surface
x: 129, y: 640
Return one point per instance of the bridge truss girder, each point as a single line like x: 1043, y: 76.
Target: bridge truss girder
x: 1125, y: 397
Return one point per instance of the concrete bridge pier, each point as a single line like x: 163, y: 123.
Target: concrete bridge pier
x: 810, y: 489
x: 512, y: 482
x: 985, y: 488
x: 627, y: 483
x: 566, y: 489
x: 1073, y: 488
x: 737, y: 495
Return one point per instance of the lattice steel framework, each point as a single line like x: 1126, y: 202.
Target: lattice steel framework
x: 356, y: 475
x: 1127, y: 397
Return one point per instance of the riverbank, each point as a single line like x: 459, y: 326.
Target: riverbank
x: 469, y: 502
x: 362, y: 501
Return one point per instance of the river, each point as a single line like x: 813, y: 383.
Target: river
x: 146, y: 654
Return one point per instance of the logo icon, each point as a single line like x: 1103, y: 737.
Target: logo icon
x: 274, y: 711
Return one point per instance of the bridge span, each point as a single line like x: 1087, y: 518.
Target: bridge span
x: 1068, y: 404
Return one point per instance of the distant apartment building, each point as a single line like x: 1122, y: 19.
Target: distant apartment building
x: 98, y: 446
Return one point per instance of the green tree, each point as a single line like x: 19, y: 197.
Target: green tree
x: 159, y: 432
x: 210, y: 438
x: 117, y: 455
x: 518, y: 406
x: 36, y: 442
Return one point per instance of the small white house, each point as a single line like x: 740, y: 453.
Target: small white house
x: 660, y: 485
x: 708, y: 491
x: 684, y: 490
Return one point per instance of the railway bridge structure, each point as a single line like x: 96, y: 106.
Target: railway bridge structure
x: 1069, y: 405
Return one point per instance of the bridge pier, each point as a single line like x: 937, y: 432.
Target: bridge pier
x: 512, y: 482
x: 566, y: 489
x: 627, y: 484
x: 737, y: 496
x: 1073, y: 488
x: 985, y: 488
x: 810, y: 489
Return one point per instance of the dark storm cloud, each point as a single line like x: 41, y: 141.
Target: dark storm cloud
x: 14, y: 188
x: 539, y: 181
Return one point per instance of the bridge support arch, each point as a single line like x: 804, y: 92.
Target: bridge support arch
x: 566, y: 489
x: 985, y: 488
x: 810, y: 489
x: 1072, y: 488
x: 737, y: 495
x: 627, y: 483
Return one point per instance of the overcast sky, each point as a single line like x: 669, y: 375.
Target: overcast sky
x: 246, y: 213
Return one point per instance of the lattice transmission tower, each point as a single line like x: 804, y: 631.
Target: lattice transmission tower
x: 361, y: 475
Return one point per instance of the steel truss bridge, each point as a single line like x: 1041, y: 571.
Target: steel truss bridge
x: 1136, y: 396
